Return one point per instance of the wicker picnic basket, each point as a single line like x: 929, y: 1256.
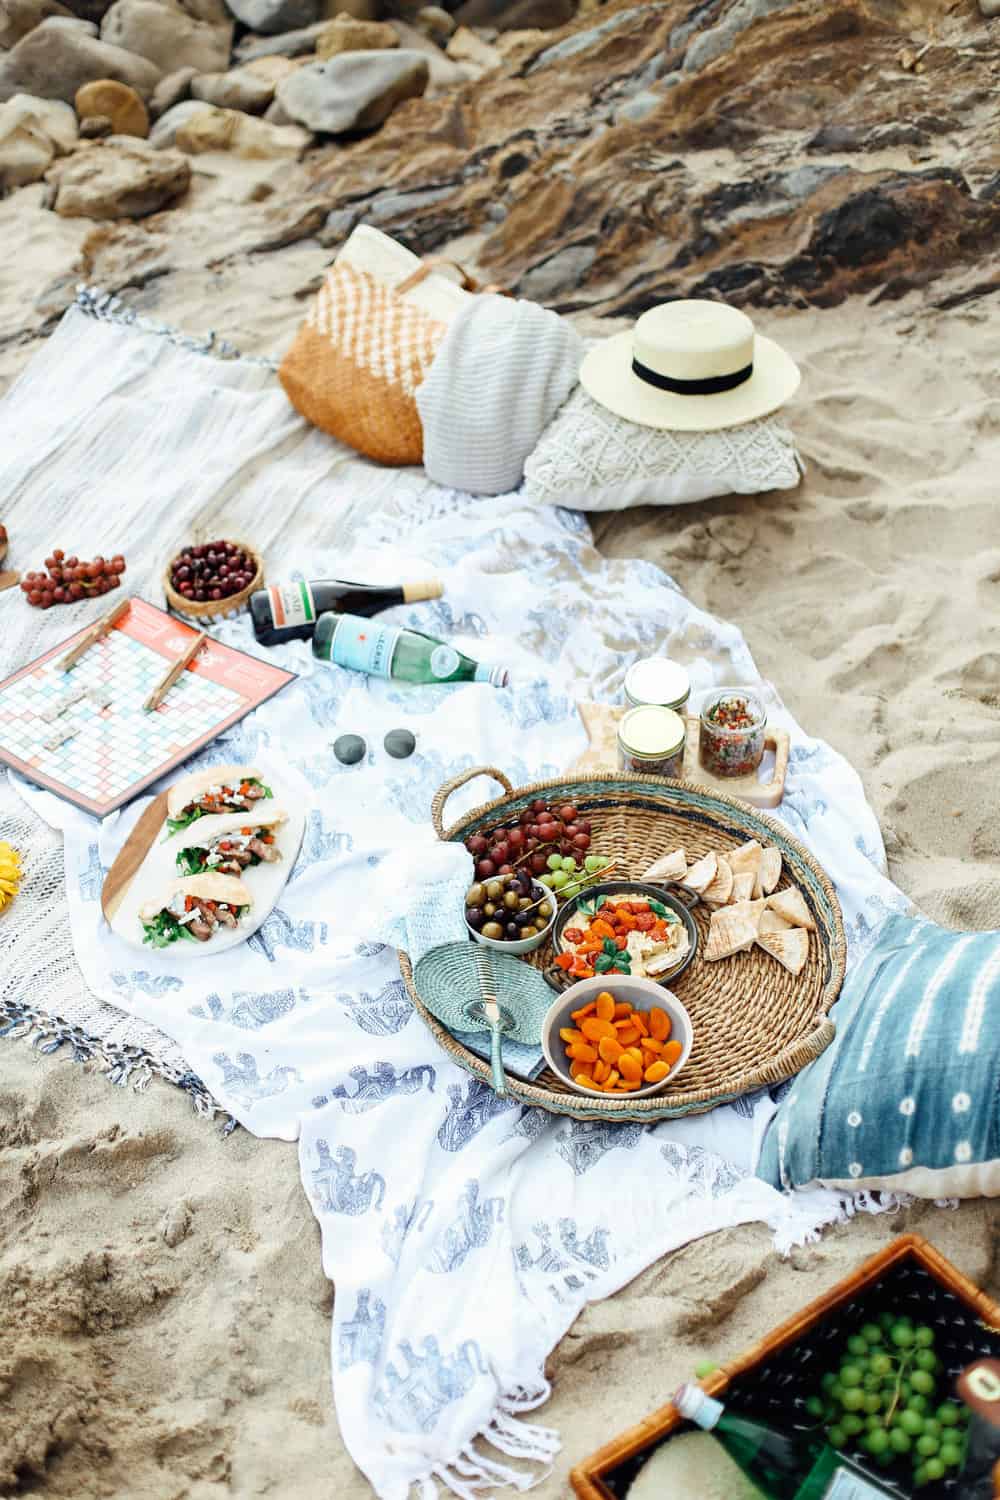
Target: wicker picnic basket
x: 754, y: 1023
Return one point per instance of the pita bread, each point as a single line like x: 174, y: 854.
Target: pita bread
x: 790, y: 948
x: 791, y: 905
x: 670, y: 867
x: 733, y: 929
x: 721, y: 889
x: 746, y: 861
x: 204, y: 830
x: 210, y: 887
x: 770, y: 870
x: 701, y: 874
x: 189, y: 787
x: 771, y: 922
x: 743, y: 886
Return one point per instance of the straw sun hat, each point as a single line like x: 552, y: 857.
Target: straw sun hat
x: 690, y: 365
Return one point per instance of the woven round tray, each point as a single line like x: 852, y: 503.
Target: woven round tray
x: 214, y: 609
x: 754, y: 1023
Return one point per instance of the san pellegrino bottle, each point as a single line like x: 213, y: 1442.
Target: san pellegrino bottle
x: 784, y: 1466
x: 289, y: 611
x: 388, y: 651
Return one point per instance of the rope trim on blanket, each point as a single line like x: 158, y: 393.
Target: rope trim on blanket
x: 105, y: 307
x: 470, y: 1472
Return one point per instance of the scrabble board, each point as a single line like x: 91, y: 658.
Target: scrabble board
x: 84, y: 733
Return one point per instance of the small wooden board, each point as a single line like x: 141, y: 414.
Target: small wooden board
x: 131, y: 855
x: 9, y: 578
x: 601, y: 722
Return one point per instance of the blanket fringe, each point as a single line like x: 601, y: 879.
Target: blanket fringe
x: 471, y: 1472
x: 105, y: 307
x: 807, y: 1213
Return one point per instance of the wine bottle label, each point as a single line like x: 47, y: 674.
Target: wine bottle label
x: 363, y: 646
x: 445, y: 662
x: 848, y: 1486
x: 292, y: 604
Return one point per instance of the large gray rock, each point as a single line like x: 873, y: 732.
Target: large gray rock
x: 164, y: 132
x: 18, y: 17
x: 273, y: 16
x: 58, y: 57
x: 170, y: 90
x: 353, y: 92
x: 169, y: 35
x: 236, y: 90
x: 32, y: 133
x: 120, y: 178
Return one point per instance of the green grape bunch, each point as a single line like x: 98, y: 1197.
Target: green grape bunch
x: 883, y: 1397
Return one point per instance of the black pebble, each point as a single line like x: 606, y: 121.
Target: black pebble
x: 349, y: 749
x: 399, y: 743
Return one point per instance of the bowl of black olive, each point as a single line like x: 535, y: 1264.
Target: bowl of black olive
x: 510, y: 912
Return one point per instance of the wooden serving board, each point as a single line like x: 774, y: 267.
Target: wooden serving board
x: 131, y: 855
x: 9, y: 577
x: 601, y: 722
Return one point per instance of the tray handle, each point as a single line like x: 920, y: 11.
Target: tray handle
x: 444, y: 792
x: 684, y: 894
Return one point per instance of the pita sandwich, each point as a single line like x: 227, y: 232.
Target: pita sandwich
x: 790, y: 904
x: 212, y: 792
x: 232, y: 843
x: 670, y: 867
x: 721, y: 889
x: 770, y: 870
x: 701, y: 874
x: 194, y: 908
x: 790, y: 948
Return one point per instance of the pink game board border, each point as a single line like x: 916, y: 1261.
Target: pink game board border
x: 152, y: 626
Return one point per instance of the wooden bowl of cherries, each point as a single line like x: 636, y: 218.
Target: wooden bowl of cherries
x: 209, y: 579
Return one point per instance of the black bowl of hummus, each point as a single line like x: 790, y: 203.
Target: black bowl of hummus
x: 655, y: 935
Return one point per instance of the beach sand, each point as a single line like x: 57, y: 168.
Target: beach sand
x: 164, y: 1319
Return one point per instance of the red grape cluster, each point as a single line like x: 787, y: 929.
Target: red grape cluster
x: 539, y: 832
x: 212, y: 571
x: 68, y: 579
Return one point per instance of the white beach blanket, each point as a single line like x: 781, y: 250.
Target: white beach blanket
x: 464, y: 1233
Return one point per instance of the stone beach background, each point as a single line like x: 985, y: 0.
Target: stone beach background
x: 831, y: 165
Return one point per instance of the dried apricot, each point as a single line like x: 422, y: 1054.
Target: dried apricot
x: 629, y: 1067
x: 602, y: 929
x: 671, y: 1052
x: 609, y: 1049
x: 600, y: 1072
x: 622, y: 1009
x: 564, y: 960
x: 594, y: 1028
x: 605, y: 1006
x: 650, y: 1044
x: 611, y: 1079
x: 627, y: 1033
x: 640, y: 1021
x: 585, y: 1081
x: 659, y: 1023
x: 656, y: 1072
x: 585, y: 1010
x: 570, y: 1034
x: 628, y: 1084
x: 577, y: 1069
x: 582, y: 1052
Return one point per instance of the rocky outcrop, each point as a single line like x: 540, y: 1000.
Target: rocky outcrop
x: 241, y: 135
x: 32, y: 133
x: 120, y: 178
x: 353, y: 92
x: 59, y: 56
x: 115, y: 102
x: 169, y: 35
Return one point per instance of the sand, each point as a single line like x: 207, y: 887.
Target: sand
x: 164, y: 1319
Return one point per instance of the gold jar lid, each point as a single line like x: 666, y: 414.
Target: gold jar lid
x: 657, y: 680
x: 651, y: 733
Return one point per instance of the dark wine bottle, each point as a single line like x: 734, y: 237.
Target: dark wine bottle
x: 289, y: 611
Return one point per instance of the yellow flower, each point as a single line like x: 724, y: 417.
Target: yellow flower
x: 10, y: 873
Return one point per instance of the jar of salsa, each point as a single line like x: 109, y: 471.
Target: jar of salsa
x: 657, y: 680
x: 651, y: 741
x: 732, y: 732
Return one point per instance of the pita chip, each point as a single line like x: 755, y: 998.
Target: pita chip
x: 721, y: 889
x: 733, y: 929
x: 670, y: 867
x: 790, y: 948
x: 702, y: 873
x: 771, y: 922
x: 770, y: 870
x: 791, y: 905
x: 743, y: 886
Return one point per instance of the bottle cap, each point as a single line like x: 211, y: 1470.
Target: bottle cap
x: 692, y: 1403
x: 429, y: 588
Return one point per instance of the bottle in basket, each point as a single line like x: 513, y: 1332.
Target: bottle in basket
x: 783, y: 1465
x: 388, y: 651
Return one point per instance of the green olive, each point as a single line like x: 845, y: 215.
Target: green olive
x: 492, y: 930
x: 489, y: 910
x: 546, y: 912
x: 529, y: 931
x: 494, y: 890
x: 511, y: 901
x: 475, y: 895
x: 524, y: 903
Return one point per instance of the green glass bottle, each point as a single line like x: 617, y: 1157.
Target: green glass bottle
x: 387, y: 651
x: 783, y: 1466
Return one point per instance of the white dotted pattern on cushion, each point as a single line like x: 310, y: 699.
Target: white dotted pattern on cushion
x: 591, y: 459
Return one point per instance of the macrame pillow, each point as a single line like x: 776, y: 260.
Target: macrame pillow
x: 907, y: 1095
x: 590, y: 459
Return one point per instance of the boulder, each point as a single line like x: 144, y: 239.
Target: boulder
x: 435, y: 23
x: 274, y: 16
x: 58, y: 57
x: 18, y: 17
x: 120, y: 178
x: 271, y: 69
x: 95, y: 127
x: 170, y: 90
x: 354, y: 92
x: 444, y: 72
x: 241, y: 135
x: 168, y: 35
x: 236, y: 90
x: 120, y: 104
x: 288, y: 44
x: 164, y: 132
x: 347, y: 35
x: 32, y: 133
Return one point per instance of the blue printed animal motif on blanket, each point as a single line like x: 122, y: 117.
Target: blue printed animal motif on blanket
x: 279, y: 931
x: 469, y: 1111
x: 339, y: 1189
x: 417, y: 1387
x: 406, y: 1217
x: 240, y: 1078
x: 383, y: 1014
x: 318, y: 844
x: 584, y: 1142
x: 710, y: 1175
x: 91, y: 879
x: 250, y: 1010
x: 381, y: 1083
x: 469, y: 1230
x: 413, y: 793
x: 361, y: 1336
x: 590, y: 1256
x: 157, y: 985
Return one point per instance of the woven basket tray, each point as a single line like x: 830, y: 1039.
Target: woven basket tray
x: 754, y: 1023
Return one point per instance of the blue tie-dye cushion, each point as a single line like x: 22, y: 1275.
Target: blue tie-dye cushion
x: 907, y: 1094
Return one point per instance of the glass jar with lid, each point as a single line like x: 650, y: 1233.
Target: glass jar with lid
x: 657, y: 681
x: 733, y: 732
x: 651, y: 741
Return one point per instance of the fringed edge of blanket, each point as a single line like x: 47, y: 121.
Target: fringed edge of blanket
x: 125, y: 1066
x: 106, y: 307
x: 469, y: 1472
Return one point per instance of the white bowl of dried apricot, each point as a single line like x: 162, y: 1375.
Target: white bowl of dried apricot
x: 629, y: 1038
